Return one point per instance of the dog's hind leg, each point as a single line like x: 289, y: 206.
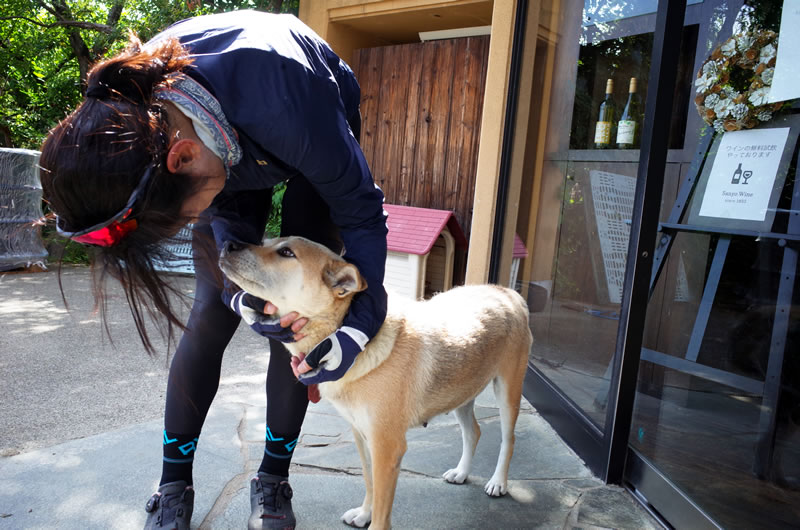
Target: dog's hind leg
x: 470, y: 433
x: 507, y: 393
x: 361, y: 516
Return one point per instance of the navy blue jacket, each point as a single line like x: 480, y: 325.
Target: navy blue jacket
x: 289, y: 97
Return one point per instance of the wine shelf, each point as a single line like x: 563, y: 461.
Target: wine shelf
x: 610, y: 155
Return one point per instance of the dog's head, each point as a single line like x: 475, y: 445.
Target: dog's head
x: 295, y: 274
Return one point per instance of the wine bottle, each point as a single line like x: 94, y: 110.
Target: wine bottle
x: 629, y: 124
x: 737, y: 175
x: 606, y: 118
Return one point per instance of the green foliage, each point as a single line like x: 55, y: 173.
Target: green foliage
x: 60, y: 249
x: 47, y: 46
x: 36, y: 86
x: 274, y: 221
x: 761, y: 14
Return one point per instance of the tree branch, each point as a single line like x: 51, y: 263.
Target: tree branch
x: 114, y: 13
x: 100, y: 45
x: 47, y: 7
x: 63, y: 13
x: 66, y: 23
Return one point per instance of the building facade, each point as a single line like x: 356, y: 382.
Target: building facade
x: 644, y: 152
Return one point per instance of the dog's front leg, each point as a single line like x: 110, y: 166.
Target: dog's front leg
x: 362, y: 515
x: 387, y: 449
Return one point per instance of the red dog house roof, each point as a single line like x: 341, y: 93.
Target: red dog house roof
x: 520, y: 251
x: 414, y: 230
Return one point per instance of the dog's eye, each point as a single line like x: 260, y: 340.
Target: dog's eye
x: 286, y: 252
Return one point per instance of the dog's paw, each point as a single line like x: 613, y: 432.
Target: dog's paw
x: 496, y: 488
x: 455, y: 476
x: 357, y: 517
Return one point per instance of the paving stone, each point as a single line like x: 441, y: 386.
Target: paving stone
x: 103, y: 476
x: 103, y: 481
x: 611, y: 507
x: 320, y: 500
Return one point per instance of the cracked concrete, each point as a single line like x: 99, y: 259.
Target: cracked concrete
x: 87, y: 454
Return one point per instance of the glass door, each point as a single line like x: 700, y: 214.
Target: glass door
x: 702, y: 421
x: 716, y: 419
x: 592, y: 69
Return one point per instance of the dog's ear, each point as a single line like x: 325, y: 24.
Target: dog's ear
x: 343, y: 279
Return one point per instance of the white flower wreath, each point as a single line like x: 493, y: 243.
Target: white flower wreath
x: 733, y: 83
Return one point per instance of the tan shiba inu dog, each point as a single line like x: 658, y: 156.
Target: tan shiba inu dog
x: 429, y: 357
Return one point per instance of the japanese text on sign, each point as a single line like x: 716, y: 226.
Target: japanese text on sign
x: 743, y: 174
x: 753, y: 151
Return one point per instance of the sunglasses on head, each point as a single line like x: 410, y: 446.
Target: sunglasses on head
x: 111, y: 231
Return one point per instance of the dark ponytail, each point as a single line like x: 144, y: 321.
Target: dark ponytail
x: 92, y: 161
x: 134, y: 74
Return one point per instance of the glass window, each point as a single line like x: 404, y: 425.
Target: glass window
x: 592, y: 66
x: 718, y: 403
x: 717, y: 408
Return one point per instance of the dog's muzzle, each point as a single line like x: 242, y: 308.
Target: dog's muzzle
x: 232, y: 246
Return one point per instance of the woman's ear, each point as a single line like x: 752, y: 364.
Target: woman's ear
x: 183, y: 156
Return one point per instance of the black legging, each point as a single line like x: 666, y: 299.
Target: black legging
x: 195, y: 370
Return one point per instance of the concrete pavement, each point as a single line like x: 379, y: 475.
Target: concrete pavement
x: 81, y: 437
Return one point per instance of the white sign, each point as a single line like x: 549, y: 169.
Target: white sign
x: 743, y: 175
x: 786, y: 80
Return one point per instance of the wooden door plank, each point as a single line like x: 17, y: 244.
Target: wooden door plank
x: 441, y: 97
x: 383, y: 128
x: 407, y: 176
x: 396, y: 111
x: 422, y: 168
x: 456, y: 133
x: 368, y: 76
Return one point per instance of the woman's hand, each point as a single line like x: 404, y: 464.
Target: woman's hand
x: 331, y: 358
x: 259, y: 313
x: 292, y: 319
x: 296, y: 361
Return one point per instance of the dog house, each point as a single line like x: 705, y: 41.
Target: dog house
x: 518, y: 253
x: 421, y: 250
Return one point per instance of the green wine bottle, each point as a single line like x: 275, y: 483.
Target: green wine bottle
x: 630, y: 122
x: 606, y: 119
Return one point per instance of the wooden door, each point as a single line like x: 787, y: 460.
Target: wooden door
x: 421, y: 110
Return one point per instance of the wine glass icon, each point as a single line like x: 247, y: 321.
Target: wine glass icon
x: 746, y: 175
